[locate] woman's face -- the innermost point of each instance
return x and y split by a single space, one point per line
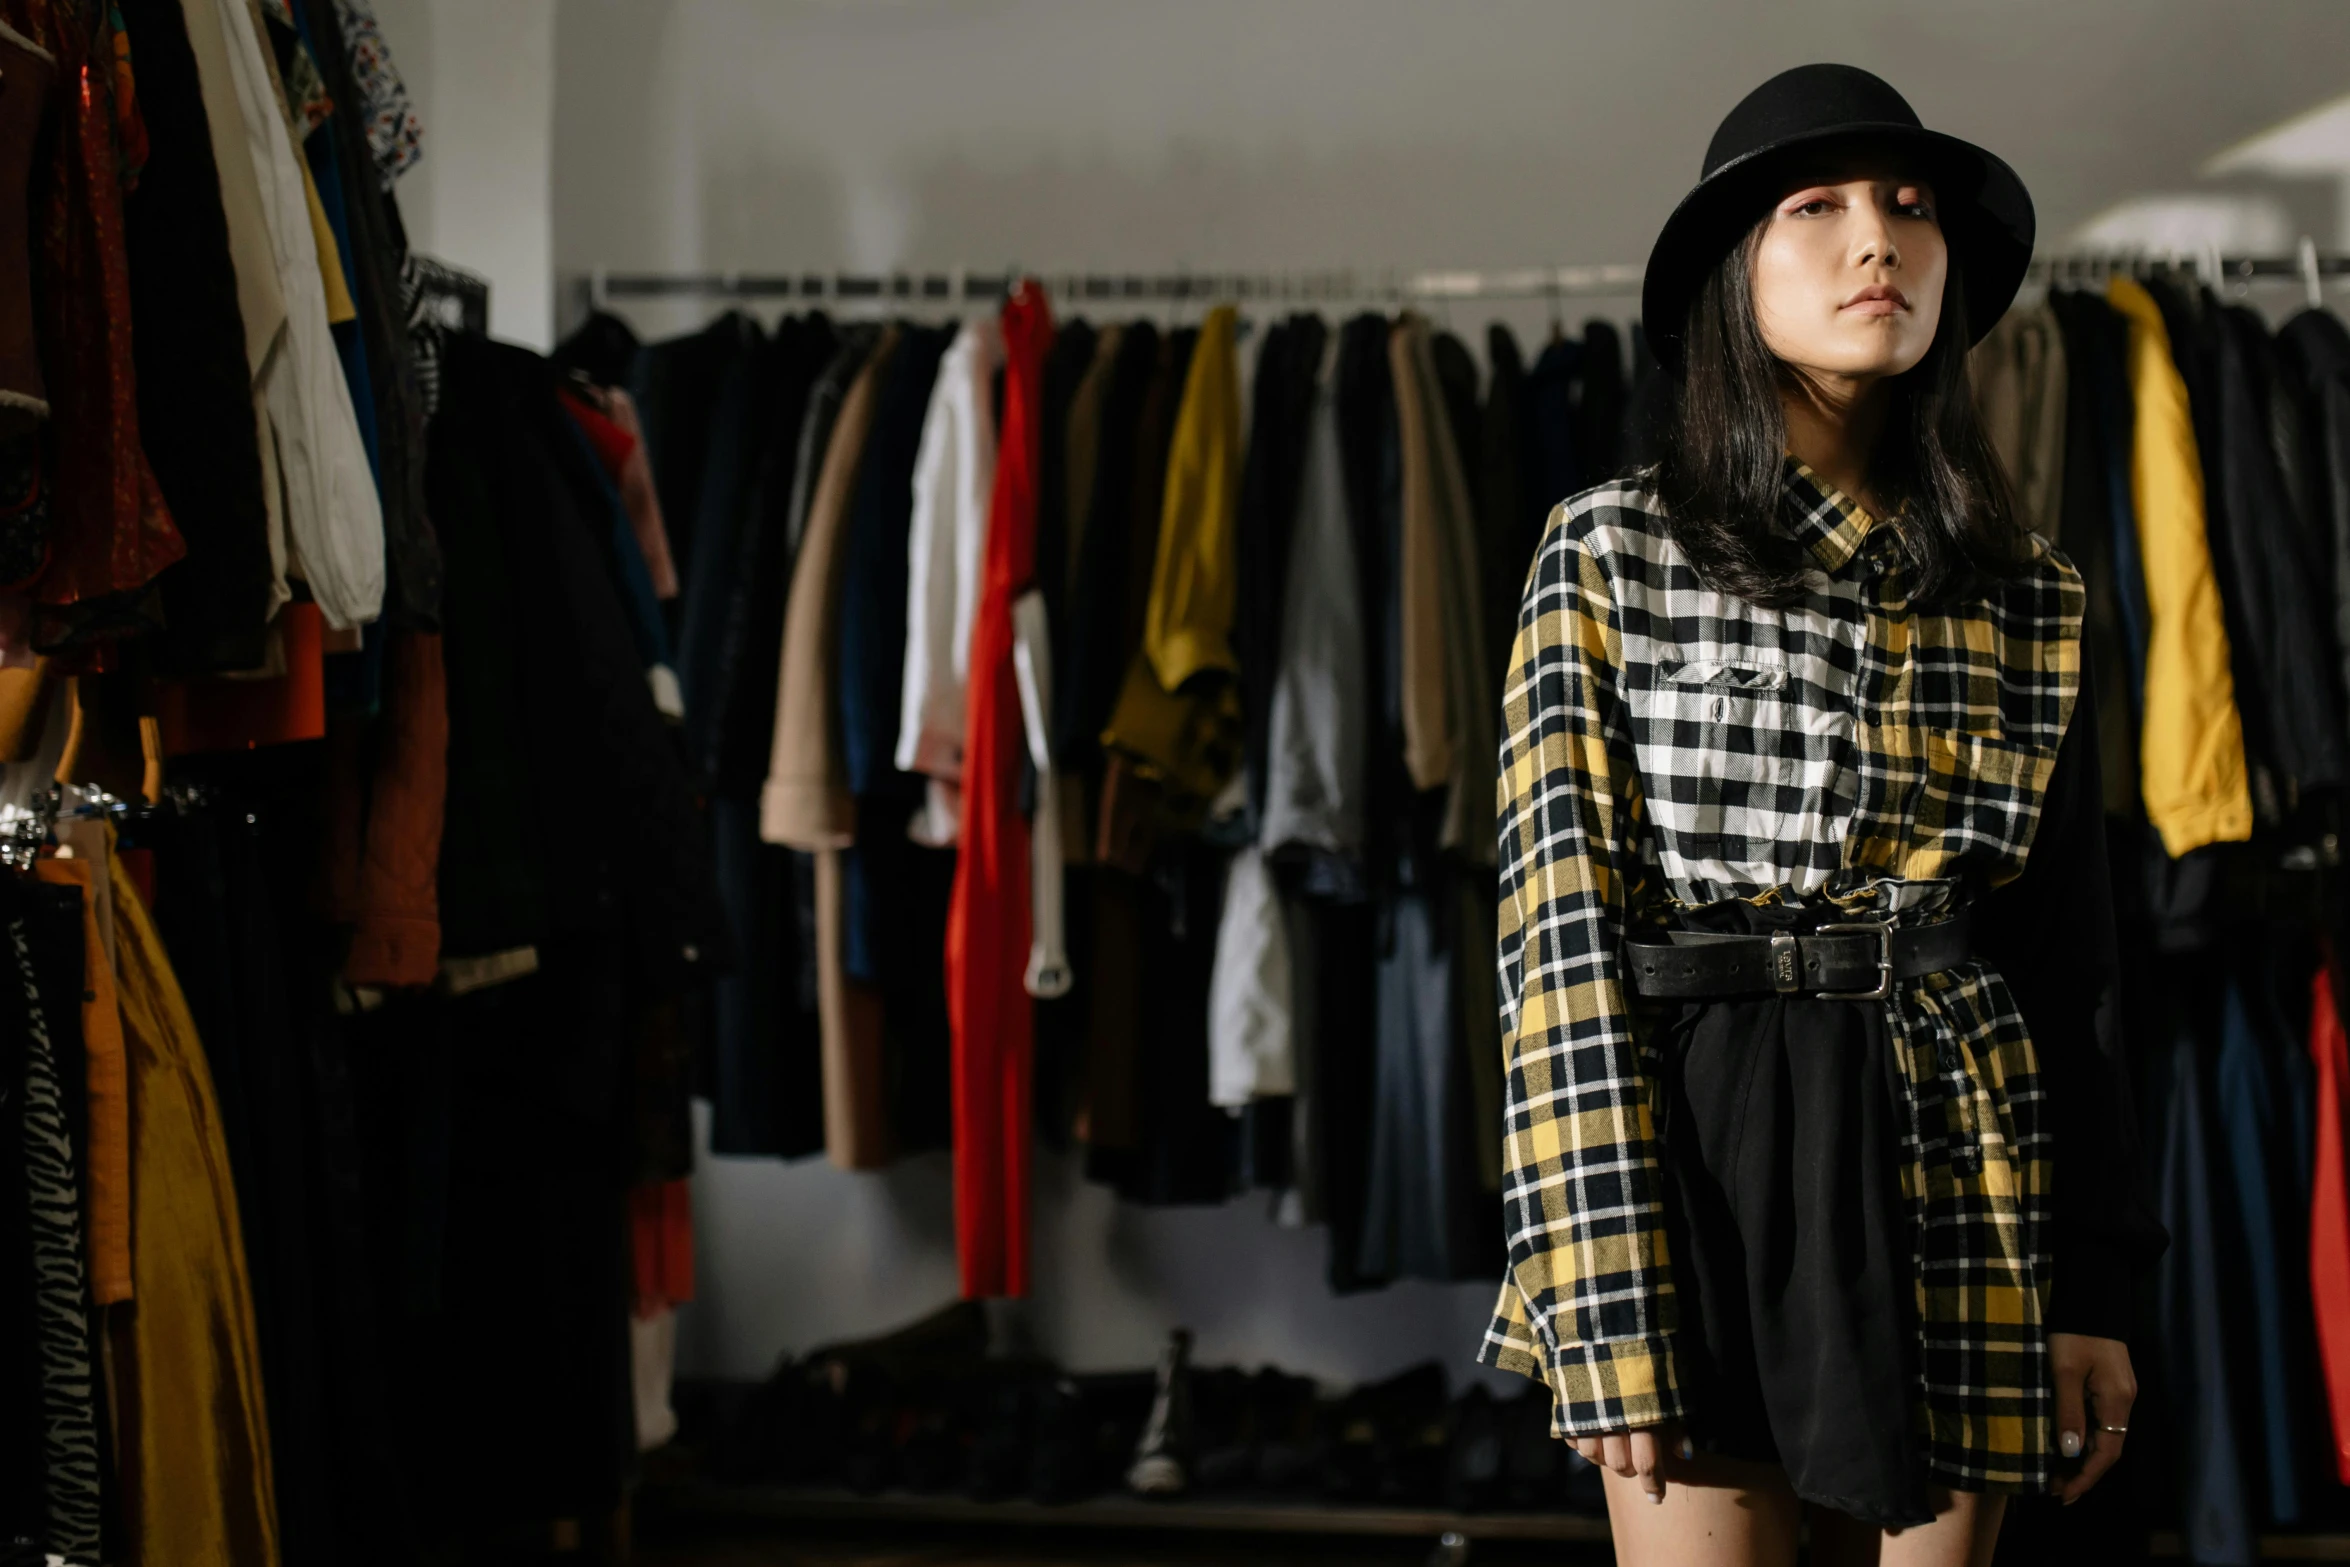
1848 277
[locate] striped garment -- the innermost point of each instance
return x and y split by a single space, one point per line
61 1296
1667 746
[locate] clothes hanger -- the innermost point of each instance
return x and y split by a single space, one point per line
25 831
2312 280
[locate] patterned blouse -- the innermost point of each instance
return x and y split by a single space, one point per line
1667 747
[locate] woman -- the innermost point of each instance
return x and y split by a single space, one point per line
1821 1191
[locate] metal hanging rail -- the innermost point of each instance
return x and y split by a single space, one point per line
954 287
600 286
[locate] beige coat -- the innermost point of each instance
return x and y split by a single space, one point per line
1449 699
2019 377
807 804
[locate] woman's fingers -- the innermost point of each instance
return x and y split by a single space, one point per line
2105 1449
1645 1453
2070 1371
2095 1374
1634 1455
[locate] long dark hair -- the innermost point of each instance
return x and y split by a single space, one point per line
1719 467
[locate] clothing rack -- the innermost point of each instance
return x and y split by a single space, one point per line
600 286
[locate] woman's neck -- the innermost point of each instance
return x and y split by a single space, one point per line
1832 425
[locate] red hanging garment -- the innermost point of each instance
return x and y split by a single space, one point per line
2329 1212
110 531
987 924
661 1241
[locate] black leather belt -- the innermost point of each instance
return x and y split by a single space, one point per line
1844 962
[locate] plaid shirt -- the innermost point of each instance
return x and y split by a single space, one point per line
1668 746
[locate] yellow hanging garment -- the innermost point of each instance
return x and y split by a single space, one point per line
2191 744
192 1444
1178 711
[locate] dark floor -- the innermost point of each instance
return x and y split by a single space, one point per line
799 1544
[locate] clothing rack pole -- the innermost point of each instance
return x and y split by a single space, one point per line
601 285
1615 278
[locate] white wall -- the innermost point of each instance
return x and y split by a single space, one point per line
1067 134
1375 133
482 78
789 1257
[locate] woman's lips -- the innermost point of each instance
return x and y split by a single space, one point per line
1880 300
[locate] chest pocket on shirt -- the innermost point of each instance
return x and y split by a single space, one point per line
1967 677
1981 793
1731 761
1953 687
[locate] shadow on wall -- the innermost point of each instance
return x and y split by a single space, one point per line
790 1257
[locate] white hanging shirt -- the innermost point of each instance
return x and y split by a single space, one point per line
334 519
954 482
1252 1052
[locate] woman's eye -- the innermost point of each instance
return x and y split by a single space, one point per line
1915 209
1812 208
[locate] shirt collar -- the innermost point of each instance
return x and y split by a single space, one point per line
1830 523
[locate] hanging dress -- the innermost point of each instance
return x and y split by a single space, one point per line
988 1006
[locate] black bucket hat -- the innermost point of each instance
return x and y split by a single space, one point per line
1986 213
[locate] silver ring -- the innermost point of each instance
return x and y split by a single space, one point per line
2116 1430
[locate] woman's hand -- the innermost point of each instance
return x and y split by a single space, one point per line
1636 1455
2094 1389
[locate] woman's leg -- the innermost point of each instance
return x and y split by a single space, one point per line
1717 1512
1963 1533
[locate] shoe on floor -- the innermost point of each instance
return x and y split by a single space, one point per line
1162 1459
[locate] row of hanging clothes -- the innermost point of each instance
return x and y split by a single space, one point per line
2196 465
1096 723
331 1229
992 732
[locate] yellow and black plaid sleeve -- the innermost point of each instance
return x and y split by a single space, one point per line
1589 1305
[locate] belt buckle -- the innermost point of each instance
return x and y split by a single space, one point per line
1883 930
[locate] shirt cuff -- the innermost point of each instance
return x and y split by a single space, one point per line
394 950
806 814
1613 1385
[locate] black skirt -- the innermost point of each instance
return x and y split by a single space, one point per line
1793 1252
